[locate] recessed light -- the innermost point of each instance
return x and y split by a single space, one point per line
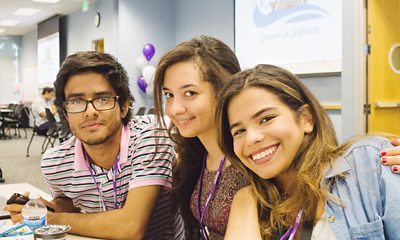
26 11
8 22
47 1
2 30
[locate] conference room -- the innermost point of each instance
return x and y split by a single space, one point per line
345 52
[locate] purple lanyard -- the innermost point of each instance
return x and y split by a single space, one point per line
293 229
114 171
201 212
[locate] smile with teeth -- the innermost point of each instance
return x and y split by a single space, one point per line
185 120
264 153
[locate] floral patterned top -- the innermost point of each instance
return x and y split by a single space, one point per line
216 217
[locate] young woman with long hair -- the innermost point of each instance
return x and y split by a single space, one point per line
303 184
187 81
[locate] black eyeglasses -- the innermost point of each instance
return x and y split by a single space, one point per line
80 105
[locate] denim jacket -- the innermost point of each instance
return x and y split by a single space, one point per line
369 193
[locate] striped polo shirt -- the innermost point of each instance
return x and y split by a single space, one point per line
146 158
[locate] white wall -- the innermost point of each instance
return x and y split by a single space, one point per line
10 57
328 91
142 22
81 30
30 86
205 17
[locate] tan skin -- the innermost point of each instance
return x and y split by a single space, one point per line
100 132
190 97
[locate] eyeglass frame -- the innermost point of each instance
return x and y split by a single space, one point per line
115 98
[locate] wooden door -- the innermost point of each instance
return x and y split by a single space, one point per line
383 82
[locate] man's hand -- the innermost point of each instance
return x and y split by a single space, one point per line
391 156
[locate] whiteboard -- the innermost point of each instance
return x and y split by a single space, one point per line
303 36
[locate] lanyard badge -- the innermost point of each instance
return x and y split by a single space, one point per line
293 229
202 212
114 171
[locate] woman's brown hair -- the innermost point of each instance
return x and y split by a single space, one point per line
217 63
278 208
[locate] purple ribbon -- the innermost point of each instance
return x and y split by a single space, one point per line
293 229
202 212
114 171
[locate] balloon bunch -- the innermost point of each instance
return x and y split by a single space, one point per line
145 81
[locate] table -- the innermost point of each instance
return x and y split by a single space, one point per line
4 113
6 190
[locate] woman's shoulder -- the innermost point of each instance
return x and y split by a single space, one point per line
243 219
361 158
371 141
245 196
367 147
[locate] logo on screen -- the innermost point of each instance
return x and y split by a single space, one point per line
268 12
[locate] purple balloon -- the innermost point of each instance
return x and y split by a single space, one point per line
148 51
142 83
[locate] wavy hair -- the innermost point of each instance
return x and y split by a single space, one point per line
217 63
101 63
277 208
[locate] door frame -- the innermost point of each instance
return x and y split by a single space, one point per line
354 68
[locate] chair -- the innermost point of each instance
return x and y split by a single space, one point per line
65 132
52 133
141 111
15 120
151 111
1 176
11 106
49 137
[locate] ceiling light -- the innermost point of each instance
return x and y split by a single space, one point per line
2 30
26 11
8 22
47 1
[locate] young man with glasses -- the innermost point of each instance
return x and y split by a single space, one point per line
111 180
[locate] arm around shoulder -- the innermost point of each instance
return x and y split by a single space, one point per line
243 218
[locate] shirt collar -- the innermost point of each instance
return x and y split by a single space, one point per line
80 164
340 166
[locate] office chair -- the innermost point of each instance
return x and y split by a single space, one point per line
151 111
49 136
141 111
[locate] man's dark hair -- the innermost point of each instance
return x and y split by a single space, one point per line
101 63
47 90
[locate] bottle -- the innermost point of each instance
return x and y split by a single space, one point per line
34 213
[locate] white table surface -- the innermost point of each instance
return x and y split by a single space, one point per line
6 190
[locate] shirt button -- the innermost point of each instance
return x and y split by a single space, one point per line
331 218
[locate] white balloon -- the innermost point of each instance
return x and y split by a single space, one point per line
140 63
150 89
148 73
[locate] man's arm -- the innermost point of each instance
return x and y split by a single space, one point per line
243 218
63 204
129 222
